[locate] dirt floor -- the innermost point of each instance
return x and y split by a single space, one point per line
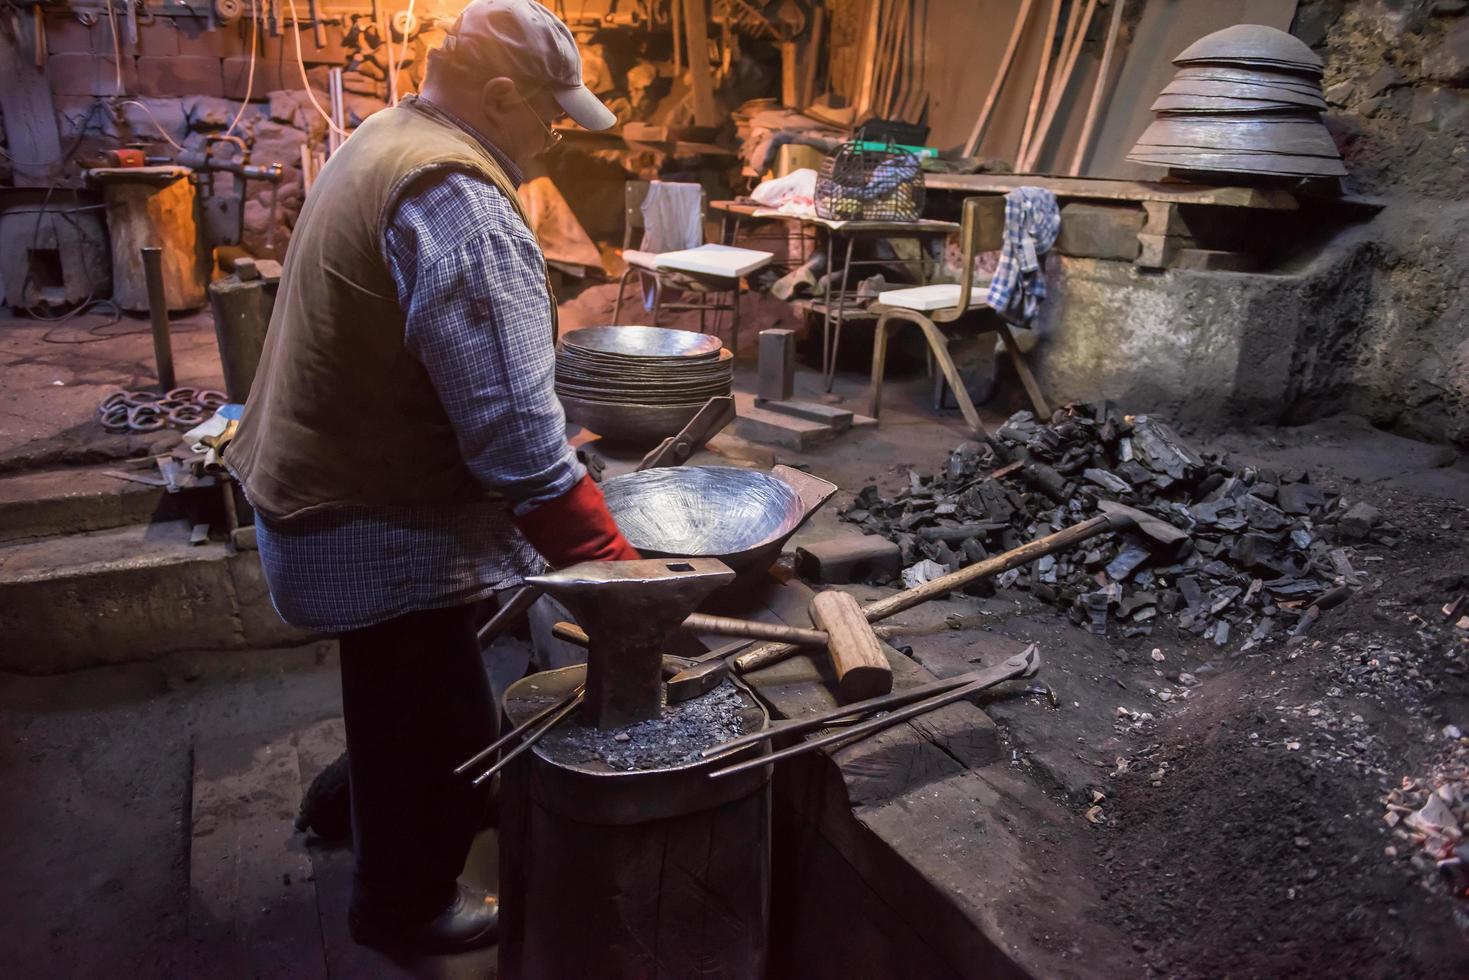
1239 829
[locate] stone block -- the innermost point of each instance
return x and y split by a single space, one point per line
1100 231
848 557
270 76
1449 61
838 418
777 361
179 76
283 48
225 41
76 73
67 35
158 39
775 429
1214 260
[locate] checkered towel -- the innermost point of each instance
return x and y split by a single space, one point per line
1032 221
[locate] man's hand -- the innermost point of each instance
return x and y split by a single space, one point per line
575 527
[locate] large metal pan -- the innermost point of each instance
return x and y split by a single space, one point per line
1252 44
742 517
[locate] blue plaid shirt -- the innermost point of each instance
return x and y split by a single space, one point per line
470 277
1032 222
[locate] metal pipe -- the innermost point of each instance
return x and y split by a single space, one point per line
517 731
533 737
158 311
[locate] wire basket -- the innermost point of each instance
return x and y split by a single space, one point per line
869 185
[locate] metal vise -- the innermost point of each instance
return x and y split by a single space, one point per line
629 609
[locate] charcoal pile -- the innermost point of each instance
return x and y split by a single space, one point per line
1263 558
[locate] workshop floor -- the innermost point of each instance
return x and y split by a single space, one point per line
1224 850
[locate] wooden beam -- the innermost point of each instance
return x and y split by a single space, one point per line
1083 143
1053 104
977 134
30 117
701 81
813 56
1040 78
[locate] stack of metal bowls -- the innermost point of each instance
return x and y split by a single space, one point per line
636 385
1246 100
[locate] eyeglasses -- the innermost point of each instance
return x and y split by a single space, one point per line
552 136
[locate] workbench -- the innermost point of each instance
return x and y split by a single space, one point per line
845 305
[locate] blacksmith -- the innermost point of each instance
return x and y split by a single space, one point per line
405 452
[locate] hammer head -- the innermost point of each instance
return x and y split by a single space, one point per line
1162 538
629 609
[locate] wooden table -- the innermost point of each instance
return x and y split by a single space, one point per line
844 306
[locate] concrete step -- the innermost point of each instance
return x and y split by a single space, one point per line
40 503
129 593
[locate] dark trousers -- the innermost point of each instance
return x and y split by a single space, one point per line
416 702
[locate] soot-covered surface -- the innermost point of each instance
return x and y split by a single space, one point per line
676 738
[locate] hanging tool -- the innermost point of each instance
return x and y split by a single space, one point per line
318 28
707 423
943 692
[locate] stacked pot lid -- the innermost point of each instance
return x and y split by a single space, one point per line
1245 100
637 384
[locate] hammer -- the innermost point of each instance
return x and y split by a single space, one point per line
859 674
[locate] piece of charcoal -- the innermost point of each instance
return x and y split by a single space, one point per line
1221 633
1265 491
1301 538
1008 578
1046 568
1095 604
1221 598
957 533
1299 498
1210 511
1293 586
1357 522
1169 601
1192 593
1161 449
1128 560
1107 480
921 572
1261 515
1138 600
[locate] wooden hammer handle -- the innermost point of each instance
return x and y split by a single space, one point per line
862 668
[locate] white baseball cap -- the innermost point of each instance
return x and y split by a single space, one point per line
522 40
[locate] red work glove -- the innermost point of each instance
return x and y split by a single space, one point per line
575 527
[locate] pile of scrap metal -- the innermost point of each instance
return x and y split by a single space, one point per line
1255 552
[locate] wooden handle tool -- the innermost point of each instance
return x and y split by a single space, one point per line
861 667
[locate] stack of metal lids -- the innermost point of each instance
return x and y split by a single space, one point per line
636 385
1245 100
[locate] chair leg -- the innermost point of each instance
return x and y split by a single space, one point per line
1037 400
879 362
621 285
940 346
657 296
734 329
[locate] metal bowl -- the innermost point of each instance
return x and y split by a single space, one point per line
630 423
736 515
638 342
1253 44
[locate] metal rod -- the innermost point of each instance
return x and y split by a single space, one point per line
745 629
523 599
532 738
770 653
158 310
516 732
861 731
886 702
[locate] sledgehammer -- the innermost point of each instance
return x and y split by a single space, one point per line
1114 517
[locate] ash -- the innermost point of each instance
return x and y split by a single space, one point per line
674 739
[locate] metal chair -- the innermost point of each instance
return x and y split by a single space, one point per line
982 230
634 194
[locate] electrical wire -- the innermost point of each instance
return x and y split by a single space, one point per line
395 63
301 63
153 119
255 14
116 44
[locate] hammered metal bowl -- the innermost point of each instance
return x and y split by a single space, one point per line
1252 44
630 424
705 512
642 342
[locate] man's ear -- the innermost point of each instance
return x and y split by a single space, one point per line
498 96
